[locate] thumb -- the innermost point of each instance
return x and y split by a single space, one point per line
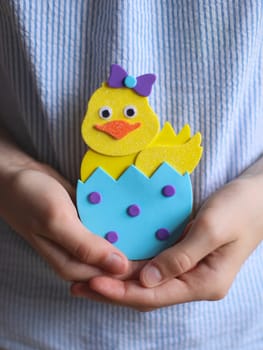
203 238
87 247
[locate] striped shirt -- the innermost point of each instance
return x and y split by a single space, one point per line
208 58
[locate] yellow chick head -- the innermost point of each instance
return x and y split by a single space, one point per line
119 122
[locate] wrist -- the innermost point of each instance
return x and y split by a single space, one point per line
250 184
13 159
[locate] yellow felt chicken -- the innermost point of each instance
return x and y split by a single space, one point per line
121 129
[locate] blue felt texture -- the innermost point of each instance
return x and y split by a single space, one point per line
136 235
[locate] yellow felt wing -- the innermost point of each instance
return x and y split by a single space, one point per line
183 157
167 136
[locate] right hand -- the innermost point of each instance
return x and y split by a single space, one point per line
36 201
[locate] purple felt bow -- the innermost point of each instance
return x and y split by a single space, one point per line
142 85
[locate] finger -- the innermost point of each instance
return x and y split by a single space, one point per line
133 270
68 232
204 236
214 275
66 266
133 294
210 280
185 231
82 290
55 218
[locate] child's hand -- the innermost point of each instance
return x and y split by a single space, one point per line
36 201
204 264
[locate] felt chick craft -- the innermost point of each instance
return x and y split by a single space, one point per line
135 189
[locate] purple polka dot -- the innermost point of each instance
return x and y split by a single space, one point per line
94 197
133 210
168 191
162 234
112 236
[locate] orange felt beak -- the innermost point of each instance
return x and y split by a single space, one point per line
117 128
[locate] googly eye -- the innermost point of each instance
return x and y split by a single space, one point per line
105 112
130 111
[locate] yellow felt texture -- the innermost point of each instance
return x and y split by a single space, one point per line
118 99
114 166
167 136
184 158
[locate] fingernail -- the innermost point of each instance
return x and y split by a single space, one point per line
115 263
152 276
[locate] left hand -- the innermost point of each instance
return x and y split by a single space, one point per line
203 265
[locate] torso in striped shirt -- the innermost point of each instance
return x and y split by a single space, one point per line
207 56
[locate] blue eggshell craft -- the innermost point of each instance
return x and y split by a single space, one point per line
135 189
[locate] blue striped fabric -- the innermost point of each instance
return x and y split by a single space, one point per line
208 59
